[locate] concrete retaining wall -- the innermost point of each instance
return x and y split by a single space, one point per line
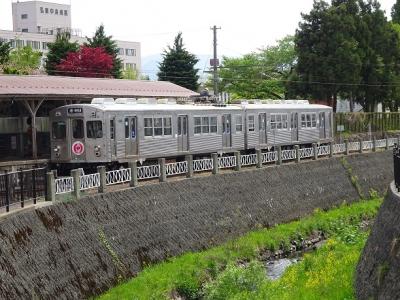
78 249
378 270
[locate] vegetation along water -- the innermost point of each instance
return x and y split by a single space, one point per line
235 270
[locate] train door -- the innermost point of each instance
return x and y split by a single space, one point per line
322 126
294 126
113 143
226 131
77 133
262 128
183 139
131 138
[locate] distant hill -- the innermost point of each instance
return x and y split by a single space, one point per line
150 65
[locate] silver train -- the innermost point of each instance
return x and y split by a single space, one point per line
109 131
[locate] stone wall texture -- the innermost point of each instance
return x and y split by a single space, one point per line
81 248
378 270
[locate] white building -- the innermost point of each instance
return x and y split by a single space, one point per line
36 23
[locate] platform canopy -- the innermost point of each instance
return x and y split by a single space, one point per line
56 87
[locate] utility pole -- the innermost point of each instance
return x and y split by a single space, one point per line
215 60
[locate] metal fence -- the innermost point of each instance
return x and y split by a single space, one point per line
364 122
396 163
19 187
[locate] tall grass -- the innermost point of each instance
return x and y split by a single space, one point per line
189 273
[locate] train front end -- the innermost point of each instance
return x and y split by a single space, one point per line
77 136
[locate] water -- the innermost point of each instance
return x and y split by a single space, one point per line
276 268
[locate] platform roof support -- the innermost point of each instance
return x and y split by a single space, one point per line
33 106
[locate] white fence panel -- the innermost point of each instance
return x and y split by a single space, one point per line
226 162
306 152
323 150
90 181
354 146
288 154
270 156
176 168
339 148
64 185
392 141
148 172
381 143
367 145
118 176
200 165
248 160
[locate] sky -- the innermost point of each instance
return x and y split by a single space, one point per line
245 25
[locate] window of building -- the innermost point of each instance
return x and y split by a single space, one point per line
308 120
250 123
65 13
44 45
24 16
94 129
12 43
239 123
279 121
56 11
130 52
205 125
59 130
157 126
121 51
24 30
3 40
130 66
46 10
41 10
29 43
61 12
19 43
51 10
35 45
77 128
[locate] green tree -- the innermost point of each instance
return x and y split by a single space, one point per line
100 39
5 49
396 12
178 66
23 61
58 51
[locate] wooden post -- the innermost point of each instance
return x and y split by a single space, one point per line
76 175
387 142
189 161
297 149
259 158
134 173
163 170
361 145
238 161
214 157
331 149
374 144
102 171
315 151
51 187
279 151
347 150
33 106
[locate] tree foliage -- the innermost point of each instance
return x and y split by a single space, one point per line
87 62
58 51
100 39
261 74
23 61
396 12
178 66
5 49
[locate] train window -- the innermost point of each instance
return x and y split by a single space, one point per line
239 123
167 124
158 126
313 121
205 125
197 125
279 121
126 122
112 129
59 130
308 120
94 129
213 124
133 128
148 126
77 129
250 123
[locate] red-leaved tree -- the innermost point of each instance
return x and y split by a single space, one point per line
87 62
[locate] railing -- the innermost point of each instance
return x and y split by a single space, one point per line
64 185
288 154
148 172
367 145
226 162
21 186
270 157
176 168
201 165
354 146
306 152
118 176
339 148
323 150
90 181
396 165
248 160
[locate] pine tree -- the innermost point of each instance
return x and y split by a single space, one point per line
178 66
58 51
100 39
396 12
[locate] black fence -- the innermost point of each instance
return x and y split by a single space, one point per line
19 187
396 161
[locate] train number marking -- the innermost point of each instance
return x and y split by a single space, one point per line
78 148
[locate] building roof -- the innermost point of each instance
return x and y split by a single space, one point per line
53 87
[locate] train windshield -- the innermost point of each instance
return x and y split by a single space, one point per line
59 130
94 129
77 129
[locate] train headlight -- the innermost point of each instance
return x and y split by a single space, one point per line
56 149
97 150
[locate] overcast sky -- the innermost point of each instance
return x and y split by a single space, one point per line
246 25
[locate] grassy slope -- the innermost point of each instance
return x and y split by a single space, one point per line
190 271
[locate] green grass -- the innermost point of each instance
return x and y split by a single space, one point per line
189 273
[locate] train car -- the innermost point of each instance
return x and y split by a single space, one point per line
114 132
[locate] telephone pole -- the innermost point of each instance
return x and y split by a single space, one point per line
214 61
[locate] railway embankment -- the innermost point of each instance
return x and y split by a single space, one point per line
81 248
378 270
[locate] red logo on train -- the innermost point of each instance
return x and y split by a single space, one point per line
78 148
